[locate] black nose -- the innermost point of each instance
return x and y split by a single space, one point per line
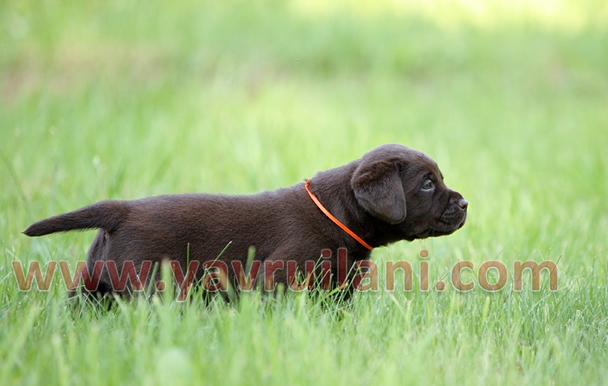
463 204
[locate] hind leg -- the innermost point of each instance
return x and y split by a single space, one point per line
95 280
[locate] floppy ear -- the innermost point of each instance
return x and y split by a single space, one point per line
379 190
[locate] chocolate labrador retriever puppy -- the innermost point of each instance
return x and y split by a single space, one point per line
392 193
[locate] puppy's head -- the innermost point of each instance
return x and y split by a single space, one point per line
404 187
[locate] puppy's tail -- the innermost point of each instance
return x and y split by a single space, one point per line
106 215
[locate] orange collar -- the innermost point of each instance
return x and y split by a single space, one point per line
335 220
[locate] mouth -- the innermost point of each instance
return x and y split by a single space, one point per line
444 226
453 218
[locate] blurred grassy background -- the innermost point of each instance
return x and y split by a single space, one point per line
129 99
120 99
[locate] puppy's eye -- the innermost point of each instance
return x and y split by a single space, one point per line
428 185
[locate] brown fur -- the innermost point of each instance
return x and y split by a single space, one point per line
379 196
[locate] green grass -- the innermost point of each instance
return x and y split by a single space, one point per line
121 99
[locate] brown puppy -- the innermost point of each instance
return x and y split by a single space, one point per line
392 193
